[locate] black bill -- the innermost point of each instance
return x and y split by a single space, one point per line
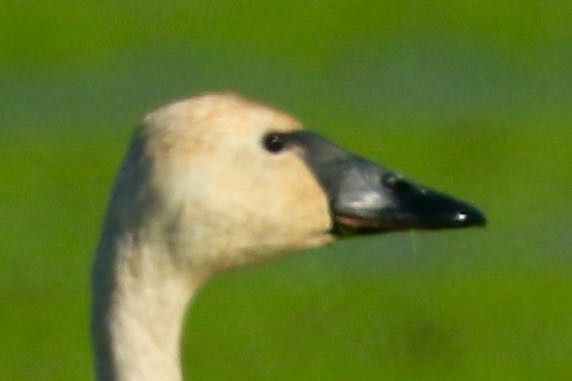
365 197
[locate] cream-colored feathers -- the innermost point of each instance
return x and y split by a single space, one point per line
226 198
197 193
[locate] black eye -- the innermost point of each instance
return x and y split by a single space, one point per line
274 142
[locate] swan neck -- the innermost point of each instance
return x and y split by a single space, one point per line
137 320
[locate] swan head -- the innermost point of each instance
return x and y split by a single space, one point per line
218 181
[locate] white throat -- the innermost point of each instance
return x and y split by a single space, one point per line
137 316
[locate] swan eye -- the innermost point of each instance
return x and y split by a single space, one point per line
274 142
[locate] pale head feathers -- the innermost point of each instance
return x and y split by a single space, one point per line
197 193
198 189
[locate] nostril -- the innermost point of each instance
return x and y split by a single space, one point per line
395 181
392 180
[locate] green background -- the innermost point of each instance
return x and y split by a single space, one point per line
472 97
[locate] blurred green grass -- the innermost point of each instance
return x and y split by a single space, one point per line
469 97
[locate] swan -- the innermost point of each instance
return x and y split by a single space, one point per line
215 182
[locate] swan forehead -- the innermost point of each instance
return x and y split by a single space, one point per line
210 120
